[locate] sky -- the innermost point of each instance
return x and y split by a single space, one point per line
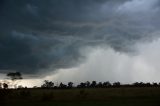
80 40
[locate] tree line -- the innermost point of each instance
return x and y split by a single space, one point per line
93 84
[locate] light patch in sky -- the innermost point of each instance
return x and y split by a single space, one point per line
139 6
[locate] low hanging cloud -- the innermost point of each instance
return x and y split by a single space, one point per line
40 36
104 64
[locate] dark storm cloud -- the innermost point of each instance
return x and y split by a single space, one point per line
35 34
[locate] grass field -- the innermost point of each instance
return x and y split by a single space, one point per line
147 96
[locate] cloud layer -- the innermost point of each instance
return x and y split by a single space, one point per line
39 36
104 64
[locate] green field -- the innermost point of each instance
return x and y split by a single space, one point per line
148 96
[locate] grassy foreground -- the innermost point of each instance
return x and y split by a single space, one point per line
147 96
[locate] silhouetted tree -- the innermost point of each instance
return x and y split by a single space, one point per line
82 85
100 85
116 84
88 84
47 84
148 84
155 84
136 84
61 85
93 84
5 86
107 84
139 84
70 84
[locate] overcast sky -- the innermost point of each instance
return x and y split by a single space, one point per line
80 40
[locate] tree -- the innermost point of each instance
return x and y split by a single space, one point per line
70 84
155 84
88 84
100 85
116 84
107 84
61 85
5 86
47 84
81 85
93 84
138 84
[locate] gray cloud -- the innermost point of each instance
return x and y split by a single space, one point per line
35 34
